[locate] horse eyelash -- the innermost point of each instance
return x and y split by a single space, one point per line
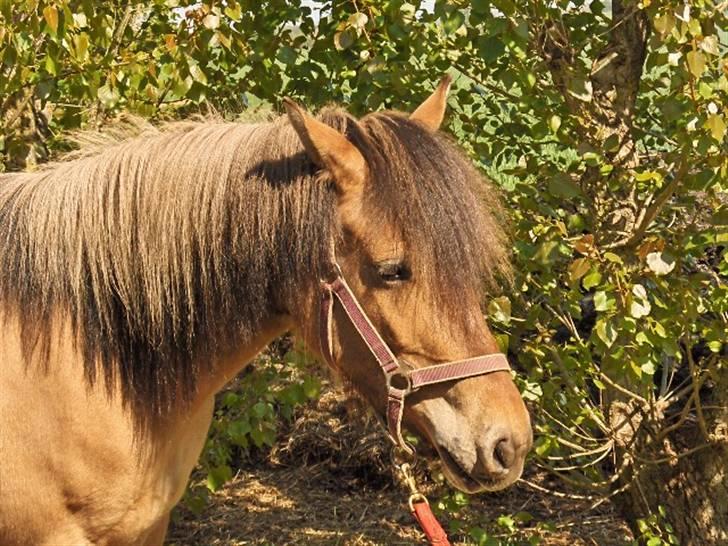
393 271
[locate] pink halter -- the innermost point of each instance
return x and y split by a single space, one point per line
400 381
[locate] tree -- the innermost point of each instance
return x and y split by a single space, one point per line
605 125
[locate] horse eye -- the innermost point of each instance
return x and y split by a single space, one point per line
393 271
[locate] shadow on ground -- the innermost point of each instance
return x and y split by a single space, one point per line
329 483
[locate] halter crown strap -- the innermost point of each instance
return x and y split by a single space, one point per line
407 381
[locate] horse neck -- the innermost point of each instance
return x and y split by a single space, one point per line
212 380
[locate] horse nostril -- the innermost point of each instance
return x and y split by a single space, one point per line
504 454
497 456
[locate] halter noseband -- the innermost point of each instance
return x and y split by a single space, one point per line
400 381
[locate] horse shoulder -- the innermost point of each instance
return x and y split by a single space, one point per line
73 469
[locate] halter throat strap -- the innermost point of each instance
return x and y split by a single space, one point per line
400 382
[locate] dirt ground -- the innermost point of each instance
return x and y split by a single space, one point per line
329 482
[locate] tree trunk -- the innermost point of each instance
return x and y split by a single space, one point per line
692 489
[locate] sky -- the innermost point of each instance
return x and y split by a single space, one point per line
315 5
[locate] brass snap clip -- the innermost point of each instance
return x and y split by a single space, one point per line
409 480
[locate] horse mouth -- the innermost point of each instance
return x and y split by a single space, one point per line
459 478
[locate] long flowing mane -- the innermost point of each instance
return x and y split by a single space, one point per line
170 249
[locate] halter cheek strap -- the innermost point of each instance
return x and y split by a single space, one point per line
400 382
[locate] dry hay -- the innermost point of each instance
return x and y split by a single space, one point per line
336 438
329 482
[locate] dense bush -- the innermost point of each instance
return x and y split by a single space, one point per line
249 412
604 125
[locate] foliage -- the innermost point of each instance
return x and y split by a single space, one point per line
618 195
505 530
656 531
249 413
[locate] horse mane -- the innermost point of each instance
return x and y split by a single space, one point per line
169 249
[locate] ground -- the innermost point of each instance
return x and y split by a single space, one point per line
329 482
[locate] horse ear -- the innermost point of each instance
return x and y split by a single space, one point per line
328 148
432 110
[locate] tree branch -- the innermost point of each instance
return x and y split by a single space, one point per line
651 212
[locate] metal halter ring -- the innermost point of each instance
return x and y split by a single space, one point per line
416 497
400 381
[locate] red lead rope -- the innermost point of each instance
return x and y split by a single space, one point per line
428 522
420 509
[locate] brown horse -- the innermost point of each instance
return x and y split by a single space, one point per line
136 281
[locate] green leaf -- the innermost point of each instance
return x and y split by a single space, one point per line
612 257
260 410
480 536
695 28
576 222
647 175
716 125
500 309
602 302
195 502
578 268
705 90
506 521
561 185
554 123
503 341
51 64
234 12
547 252
490 48
592 279
639 309
81 49
344 39
606 332
696 63
230 400
543 446
709 44
218 476
453 22
664 23
197 73
287 55
481 6
6 7
50 14
611 143
108 96
311 387
238 432
358 20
